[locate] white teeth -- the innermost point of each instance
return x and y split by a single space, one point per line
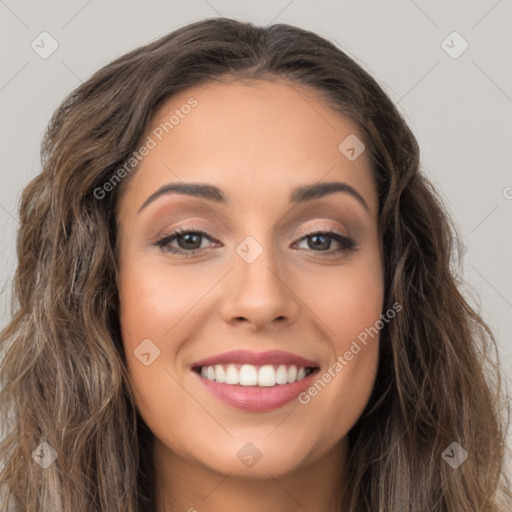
231 374
267 376
219 373
282 375
249 375
292 373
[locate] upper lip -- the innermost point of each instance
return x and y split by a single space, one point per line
256 358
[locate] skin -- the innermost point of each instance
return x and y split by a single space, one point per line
256 141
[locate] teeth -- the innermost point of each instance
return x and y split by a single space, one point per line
219 373
282 375
292 374
231 375
267 376
250 375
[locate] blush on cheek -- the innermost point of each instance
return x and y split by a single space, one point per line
347 309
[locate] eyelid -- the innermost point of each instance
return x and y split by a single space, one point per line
310 230
180 230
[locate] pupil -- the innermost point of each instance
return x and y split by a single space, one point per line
325 245
190 238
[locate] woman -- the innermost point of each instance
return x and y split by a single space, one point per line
235 293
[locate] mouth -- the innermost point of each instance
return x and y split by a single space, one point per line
256 381
250 375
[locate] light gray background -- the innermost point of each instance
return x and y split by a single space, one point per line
460 109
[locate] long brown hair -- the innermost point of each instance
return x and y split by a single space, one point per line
64 376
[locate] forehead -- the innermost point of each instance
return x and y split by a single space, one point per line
254 136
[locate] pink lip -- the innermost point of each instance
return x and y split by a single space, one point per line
256 398
256 358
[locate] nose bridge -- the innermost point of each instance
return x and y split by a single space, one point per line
257 290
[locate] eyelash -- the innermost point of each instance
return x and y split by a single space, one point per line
347 244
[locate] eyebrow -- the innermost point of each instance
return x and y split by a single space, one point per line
213 193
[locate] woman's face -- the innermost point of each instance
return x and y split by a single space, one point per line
259 299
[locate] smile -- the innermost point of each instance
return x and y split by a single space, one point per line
256 381
250 375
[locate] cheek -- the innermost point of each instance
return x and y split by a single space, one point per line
337 398
154 300
149 307
349 304
160 304
347 299
151 310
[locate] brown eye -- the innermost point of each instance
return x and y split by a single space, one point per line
187 241
321 241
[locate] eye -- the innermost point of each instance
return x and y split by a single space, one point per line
320 241
188 240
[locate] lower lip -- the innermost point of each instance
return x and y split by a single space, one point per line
256 398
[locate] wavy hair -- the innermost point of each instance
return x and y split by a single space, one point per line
64 375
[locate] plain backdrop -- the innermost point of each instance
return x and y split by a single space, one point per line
447 66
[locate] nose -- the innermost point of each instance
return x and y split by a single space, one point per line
259 294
